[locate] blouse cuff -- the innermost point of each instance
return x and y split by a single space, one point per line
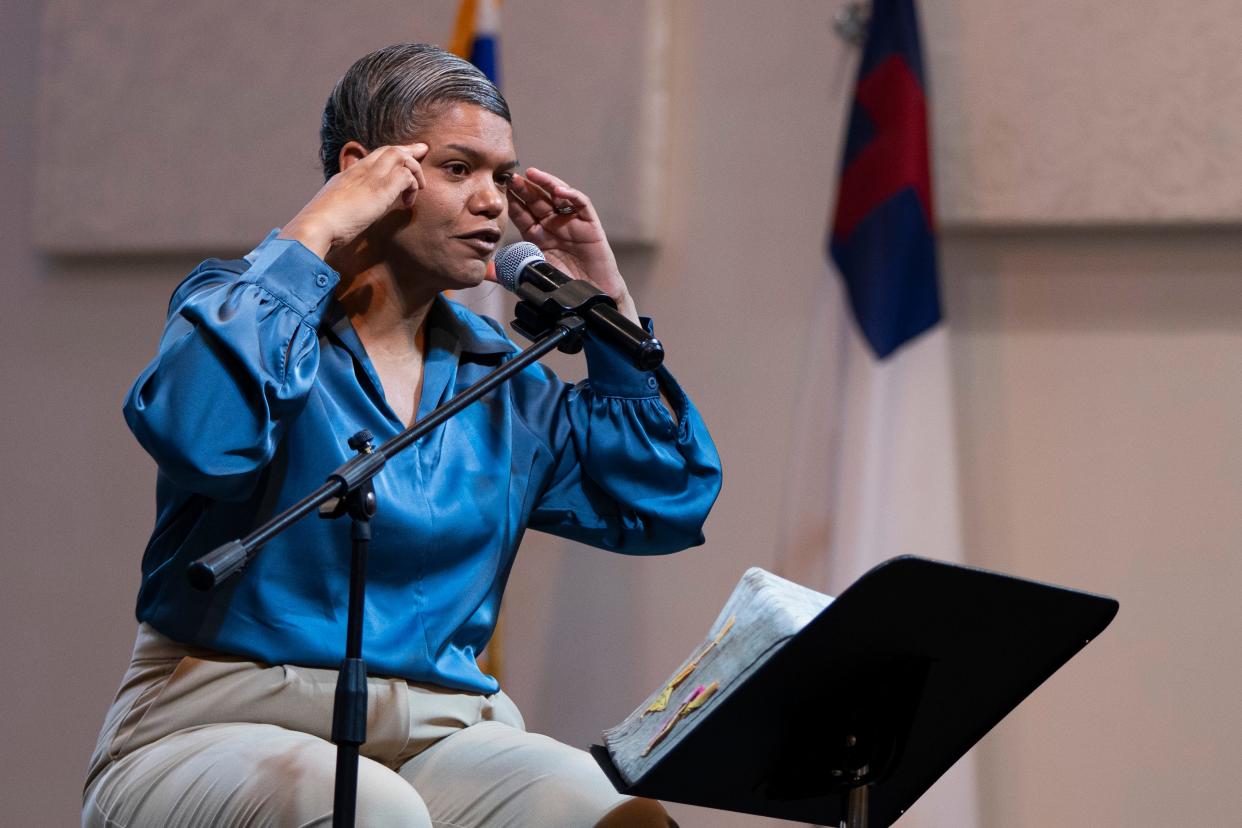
293 274
611 374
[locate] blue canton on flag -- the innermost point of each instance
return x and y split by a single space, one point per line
476 36
883 234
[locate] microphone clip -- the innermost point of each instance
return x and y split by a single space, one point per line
540 311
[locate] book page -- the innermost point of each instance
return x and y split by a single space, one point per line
763 612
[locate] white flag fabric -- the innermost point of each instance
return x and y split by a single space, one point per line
896 492
879 423
873 475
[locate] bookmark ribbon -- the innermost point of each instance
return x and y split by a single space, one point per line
697 698
662 700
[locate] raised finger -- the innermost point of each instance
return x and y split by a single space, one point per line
405 160
565 199
399 153
523 219
386 160
531 194
411 164
391 154
541 204
409 188
519 211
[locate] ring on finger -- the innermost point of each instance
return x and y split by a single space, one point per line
565 210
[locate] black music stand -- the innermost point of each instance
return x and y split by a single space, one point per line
857 715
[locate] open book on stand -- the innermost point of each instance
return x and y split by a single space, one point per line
846 710
763 612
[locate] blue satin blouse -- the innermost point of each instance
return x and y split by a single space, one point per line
260 380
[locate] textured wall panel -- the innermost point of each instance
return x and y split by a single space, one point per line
188 127
1077 111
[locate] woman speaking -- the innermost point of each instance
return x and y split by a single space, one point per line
333 324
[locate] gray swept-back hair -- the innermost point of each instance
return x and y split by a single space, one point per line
390 95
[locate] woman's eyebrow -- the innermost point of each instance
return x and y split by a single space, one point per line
476 157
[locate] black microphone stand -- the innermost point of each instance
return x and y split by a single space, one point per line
348 491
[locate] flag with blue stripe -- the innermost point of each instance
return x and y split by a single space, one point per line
883 233
476 36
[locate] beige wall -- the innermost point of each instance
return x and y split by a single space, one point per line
1100 408
1099 401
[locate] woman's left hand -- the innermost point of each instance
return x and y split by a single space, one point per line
562 222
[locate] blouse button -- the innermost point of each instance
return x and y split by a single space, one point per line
651 383
321 279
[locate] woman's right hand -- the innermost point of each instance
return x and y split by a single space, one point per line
364 191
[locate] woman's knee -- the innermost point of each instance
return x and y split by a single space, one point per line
234 774
637 813
384 799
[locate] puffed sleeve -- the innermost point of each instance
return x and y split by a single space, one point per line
236 361
628 476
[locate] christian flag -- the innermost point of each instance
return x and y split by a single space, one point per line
883 233
476 36
891 466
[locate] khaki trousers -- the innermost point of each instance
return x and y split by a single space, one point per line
196 738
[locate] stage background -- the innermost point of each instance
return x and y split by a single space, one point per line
1096 341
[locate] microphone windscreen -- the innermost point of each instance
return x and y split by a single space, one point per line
511 259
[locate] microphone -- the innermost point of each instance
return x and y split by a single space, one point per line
522 269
